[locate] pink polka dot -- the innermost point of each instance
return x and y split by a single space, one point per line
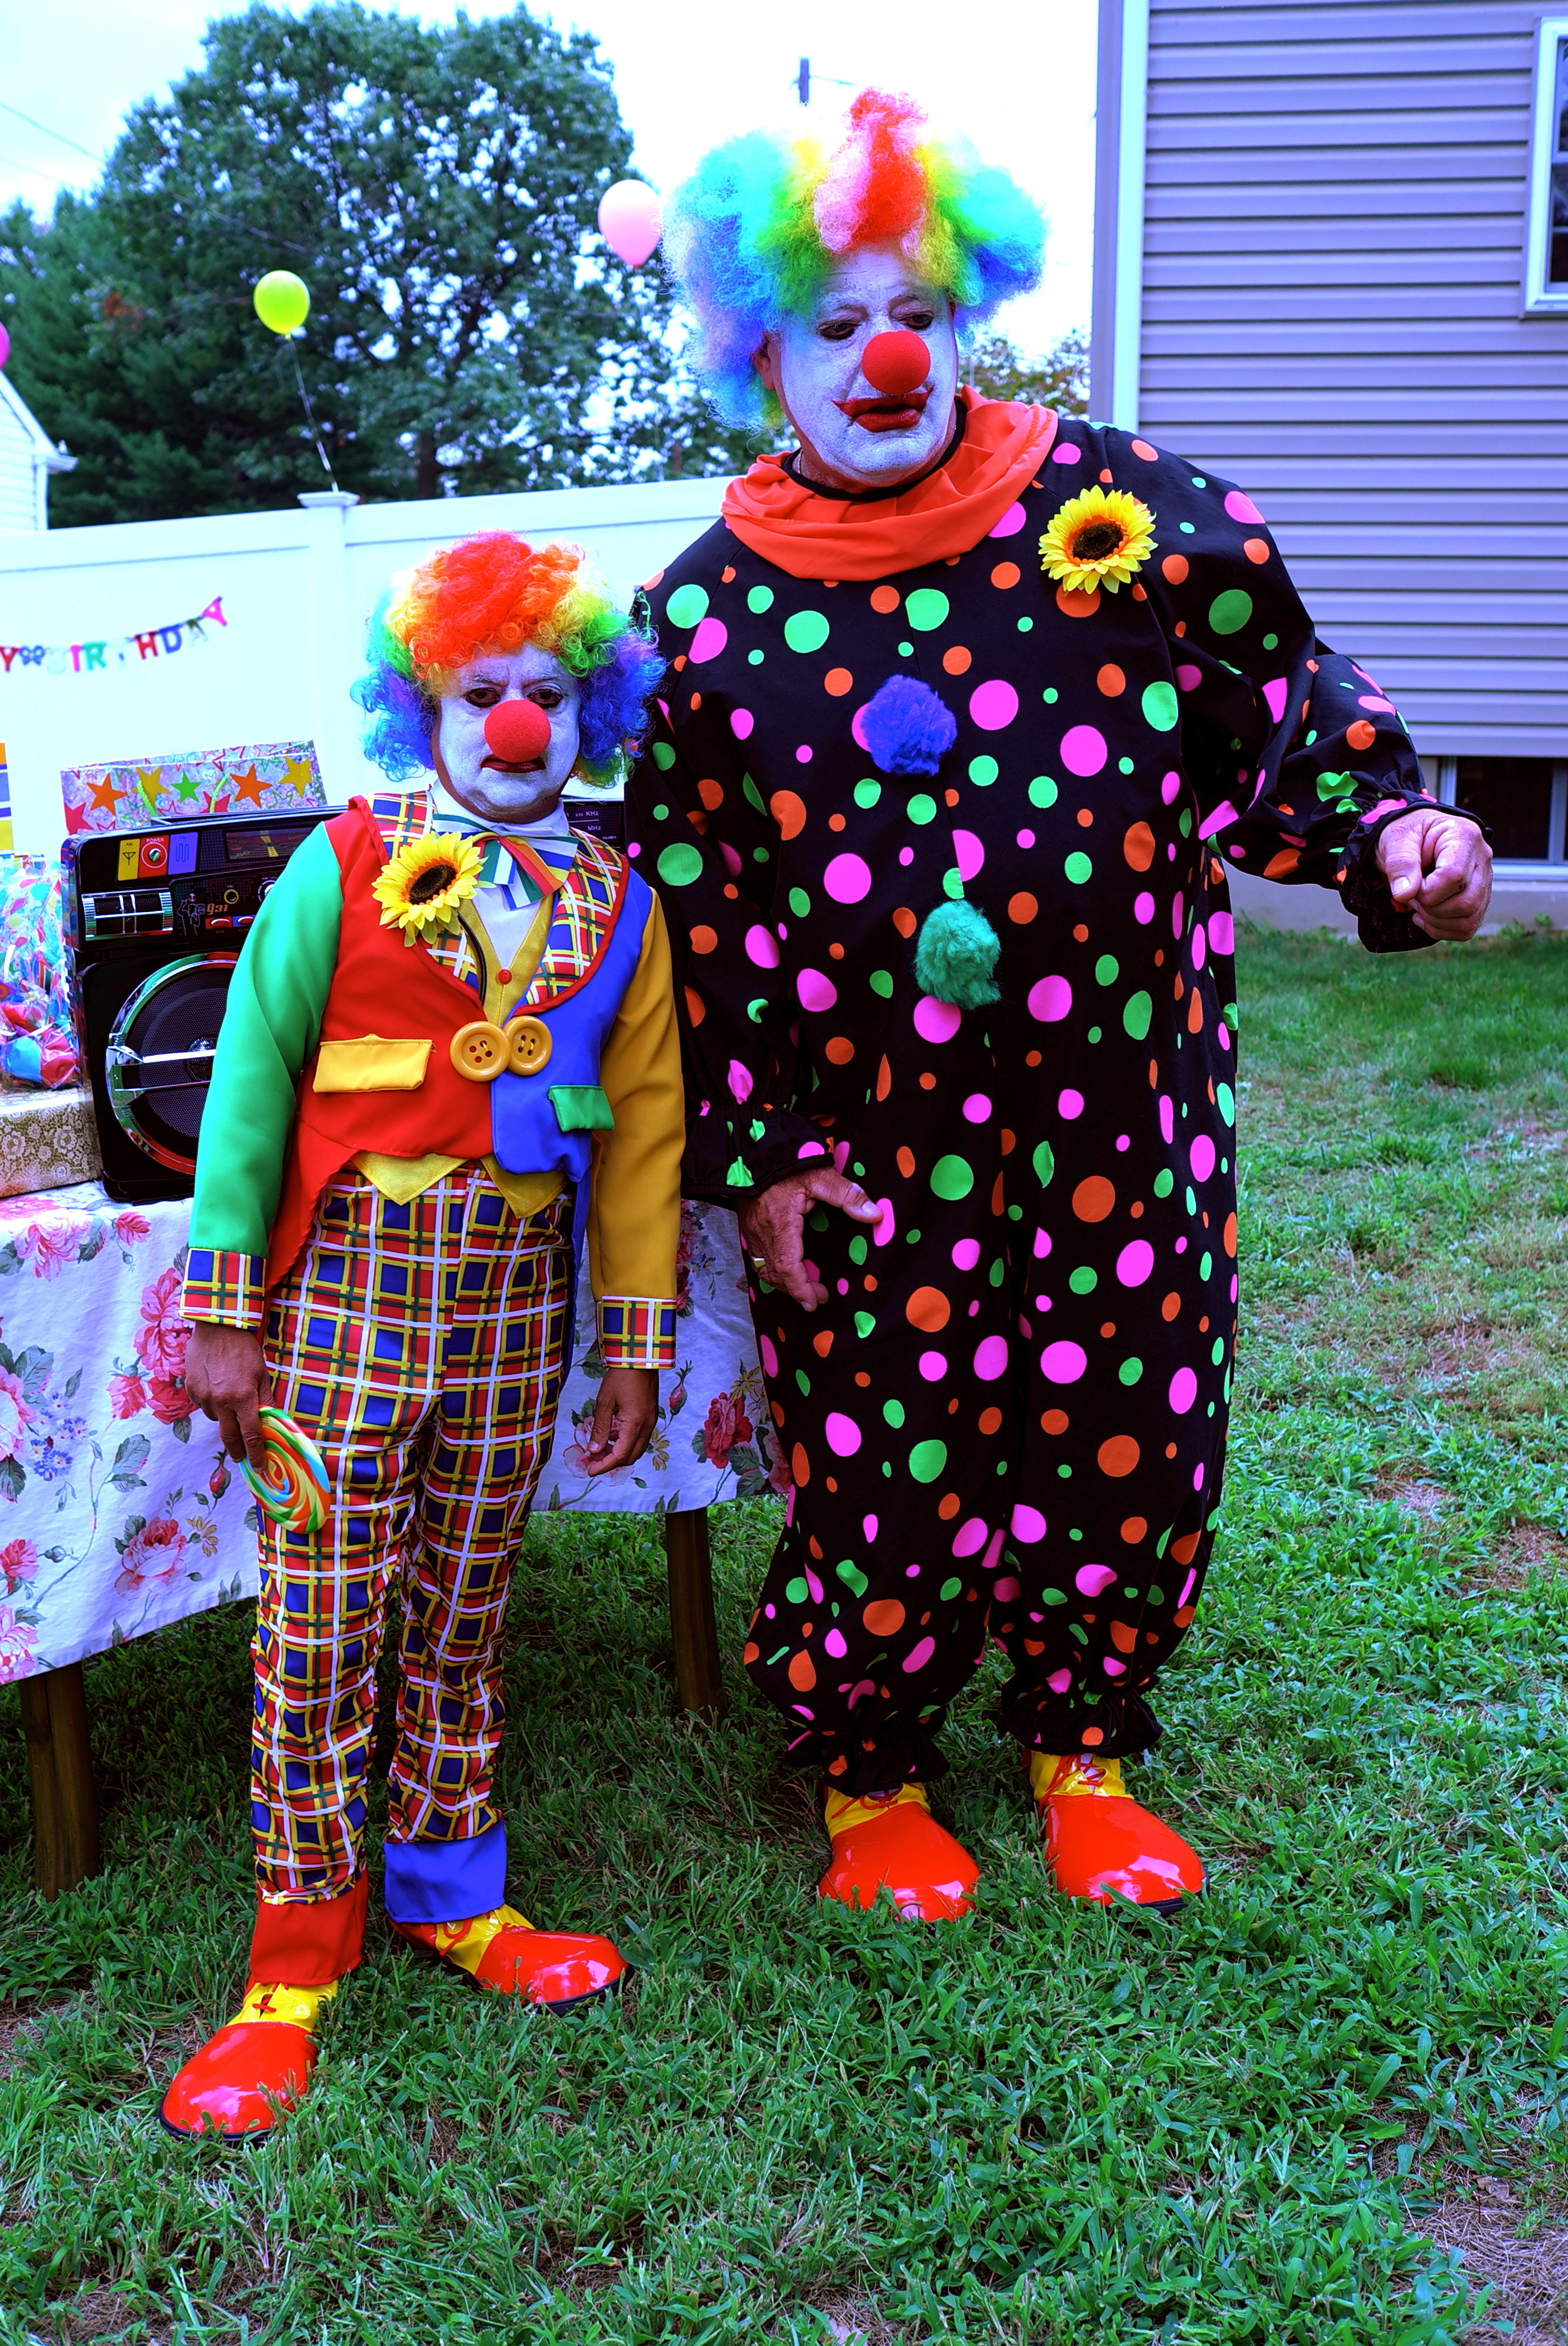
1167 1119
969 852
1066 453
976 1108
731 857
847 879
1240 507
709 640
1026 839
906 855
1011 522
1200 1157
1222 932
1006 1590
1184 1392
933 1367
992 706
1091 1578
1063 1363
762 949
1367 700
1276 692
1178 913
869 1526
834 1643
1225 813
856 733
803 754
861 1690
1050 998
1170 788
740 1081
1084 749
769 1356
1199 945
1028 1525
990 1358
972 1537
966 1253
1070 1105
816 991
843 1435
1134 1263
887 1223
1041 1245
1143 907
1188 678
741 721
1113 1669
921 1656
936 1022
1059 1681
1124 1142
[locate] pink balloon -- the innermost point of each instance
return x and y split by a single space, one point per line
630 221
5 346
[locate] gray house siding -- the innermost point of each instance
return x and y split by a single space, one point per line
1329 311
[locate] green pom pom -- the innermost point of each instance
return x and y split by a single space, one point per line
955 956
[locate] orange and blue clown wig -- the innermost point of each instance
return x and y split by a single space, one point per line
494 592
753 233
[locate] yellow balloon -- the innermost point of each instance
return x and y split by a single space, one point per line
283 301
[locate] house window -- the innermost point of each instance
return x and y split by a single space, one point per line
1522 800
1546 242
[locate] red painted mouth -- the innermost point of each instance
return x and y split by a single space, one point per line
895 413
505 766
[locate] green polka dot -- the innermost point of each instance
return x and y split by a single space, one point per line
1218 1353
1042 791
663 756
755 657
852 1577
661 814
1160 706
1165 1182
1271 643
805 631
927 1459
1191 1199
1107 969
867 794
799 903
680 865
952 1177
952 883
857 1249
1078 869
949 1590
1198 482
905 651
1025 625
921 808
1124 765
686 606
797 1591
1184 823
1044 1163
1230 613
1136 1012
1049 695
882 983
998 1270
752 793
983 770
760 598
1097 1033
1083 1281
1205 1267
894 1411
864 1323
1130 1372
926 608
1226 1099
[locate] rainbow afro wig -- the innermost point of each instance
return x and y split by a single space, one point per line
496 593
753 234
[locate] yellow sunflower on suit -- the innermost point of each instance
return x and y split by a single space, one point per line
426 881
1099 538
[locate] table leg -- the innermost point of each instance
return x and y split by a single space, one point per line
60 1766
691 1621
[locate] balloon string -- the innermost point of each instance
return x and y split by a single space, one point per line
310 417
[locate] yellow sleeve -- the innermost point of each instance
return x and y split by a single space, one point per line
634 1211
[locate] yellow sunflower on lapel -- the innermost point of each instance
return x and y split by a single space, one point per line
425 882
1099 538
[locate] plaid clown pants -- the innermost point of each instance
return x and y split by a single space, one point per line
420 1347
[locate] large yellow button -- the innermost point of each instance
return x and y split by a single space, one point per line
479 1051
532 1044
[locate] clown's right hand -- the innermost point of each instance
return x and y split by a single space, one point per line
772 1229
226 1378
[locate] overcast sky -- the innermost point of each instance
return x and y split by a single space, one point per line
687 73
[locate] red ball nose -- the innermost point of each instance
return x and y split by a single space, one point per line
895 363
517 731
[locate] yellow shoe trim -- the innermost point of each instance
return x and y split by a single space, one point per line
845 1811
299 2006
463 1944
1083 1775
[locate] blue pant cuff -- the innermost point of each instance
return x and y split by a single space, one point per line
446 1881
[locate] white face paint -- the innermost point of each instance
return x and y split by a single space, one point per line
849 437
470 771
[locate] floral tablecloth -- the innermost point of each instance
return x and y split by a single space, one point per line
119 1512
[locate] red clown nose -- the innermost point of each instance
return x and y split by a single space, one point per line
892 364
517 731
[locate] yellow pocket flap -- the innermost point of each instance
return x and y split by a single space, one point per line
372 1063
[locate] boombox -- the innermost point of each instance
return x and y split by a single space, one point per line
154 920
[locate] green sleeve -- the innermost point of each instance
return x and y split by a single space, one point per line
273 1015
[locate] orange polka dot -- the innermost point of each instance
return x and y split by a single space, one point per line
837 681
928 1308
884 1079
650 583
703 938
1093 1198
1134 1529
956 659
1230 1234
1195 1014
951 797
788 811
1022 907
1174 568
905 921
802 1672
1054 1422
1092 1736
839 1050
1138 846
727 574
1288 858
884 1617
835 823
1033 1059
1106 476
1170 1307
1118 1456
1183 1615
991 1421
1078 606
800 1465
906 1161
678 662
1080 934
748 1654
822 1343
1360 735
1254 548
695 700
1086 817
884 598
1111 680
1141 448
711 794
928 1082
1007 574
1186 1548
696 1007
948 1505
1124 1636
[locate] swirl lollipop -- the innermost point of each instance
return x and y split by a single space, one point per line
292 1487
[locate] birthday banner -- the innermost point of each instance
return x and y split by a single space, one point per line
113 651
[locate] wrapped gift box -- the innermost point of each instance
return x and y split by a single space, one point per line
47 1141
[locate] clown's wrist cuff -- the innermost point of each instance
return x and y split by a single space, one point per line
227 1287
636 1332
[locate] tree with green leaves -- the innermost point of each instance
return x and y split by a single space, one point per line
1059 380
436 189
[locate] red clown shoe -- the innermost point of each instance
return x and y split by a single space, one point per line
253 2072
1100 1845
891 1841
503 1951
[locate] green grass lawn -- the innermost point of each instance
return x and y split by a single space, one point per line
1277 2121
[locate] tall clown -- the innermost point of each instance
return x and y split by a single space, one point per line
449 1051
971 704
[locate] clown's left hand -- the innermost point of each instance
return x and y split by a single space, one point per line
1439 870
625 1414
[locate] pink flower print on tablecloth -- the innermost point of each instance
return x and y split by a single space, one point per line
15 1416
161 1338
17 1641
131 1228
725 1425
18 1562
167 1399
127 1396
154 1553
53 1242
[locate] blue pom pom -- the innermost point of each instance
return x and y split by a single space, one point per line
908 727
